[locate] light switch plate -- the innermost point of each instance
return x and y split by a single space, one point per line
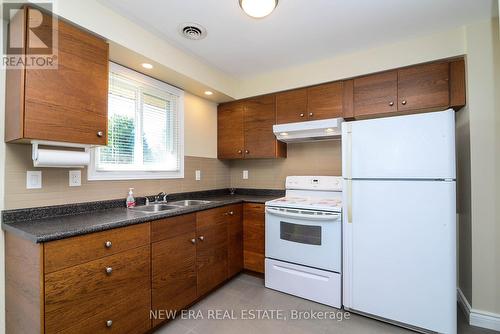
34 179
245 175
75 178
197 175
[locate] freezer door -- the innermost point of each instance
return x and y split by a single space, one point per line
405 147
399 252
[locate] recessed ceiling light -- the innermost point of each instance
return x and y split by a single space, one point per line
258 8
147 65
207 92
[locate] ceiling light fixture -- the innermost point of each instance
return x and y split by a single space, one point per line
207 92
258 8
147 65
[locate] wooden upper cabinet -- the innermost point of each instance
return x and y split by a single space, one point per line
245 129
67 104
423 87
376 94
259 118
291 106
325 101
230 142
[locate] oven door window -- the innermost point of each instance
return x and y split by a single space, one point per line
304 234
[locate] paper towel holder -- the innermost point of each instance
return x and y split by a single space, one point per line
36 143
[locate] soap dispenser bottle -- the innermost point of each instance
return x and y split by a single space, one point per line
130 198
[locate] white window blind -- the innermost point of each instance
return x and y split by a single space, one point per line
145 135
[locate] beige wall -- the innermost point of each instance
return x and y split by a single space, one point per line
483 62
200 126
315 158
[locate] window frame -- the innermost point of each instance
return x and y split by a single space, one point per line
93 174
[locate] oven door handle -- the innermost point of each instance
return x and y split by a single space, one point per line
296 213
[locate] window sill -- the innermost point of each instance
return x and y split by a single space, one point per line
132 175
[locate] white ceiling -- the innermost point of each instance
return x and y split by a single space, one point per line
298 31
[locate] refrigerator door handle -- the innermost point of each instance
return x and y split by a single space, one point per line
349 152
349 201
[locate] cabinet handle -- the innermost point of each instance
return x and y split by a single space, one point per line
403 102
109 323
100 134
391 103
302 115
109 270
193 241
108 244
247 151
310 114
201 237
240 151
231 213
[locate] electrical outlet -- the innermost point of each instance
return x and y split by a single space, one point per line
197 175
33 179
245 175
75 178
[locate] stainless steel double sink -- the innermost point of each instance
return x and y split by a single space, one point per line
166 206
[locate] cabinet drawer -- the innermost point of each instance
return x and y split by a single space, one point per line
130 316
79 292
65 253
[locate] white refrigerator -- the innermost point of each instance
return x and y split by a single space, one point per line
399 229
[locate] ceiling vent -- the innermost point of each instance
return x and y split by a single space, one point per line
192 31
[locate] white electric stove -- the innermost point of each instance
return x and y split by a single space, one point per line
304 239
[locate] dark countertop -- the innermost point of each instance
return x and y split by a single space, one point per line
59 227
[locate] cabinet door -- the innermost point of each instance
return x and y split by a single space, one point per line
211 249
235 240
259 118
253 237
291 106
173 264
376 94
325 101
423 87
230 140
69 104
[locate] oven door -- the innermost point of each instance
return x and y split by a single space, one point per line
307 237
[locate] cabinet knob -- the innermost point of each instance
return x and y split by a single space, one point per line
310 114
240 151
302 115
391 103
108 244
403 102
201 237
231 213
109 323
109 270
193 241
100 134
247 151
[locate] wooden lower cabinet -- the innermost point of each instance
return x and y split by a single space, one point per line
74 294
211 249
254 236
114 281
173 264
235 241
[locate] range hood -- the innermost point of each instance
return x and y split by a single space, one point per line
325 129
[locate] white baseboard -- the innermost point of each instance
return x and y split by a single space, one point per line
477 317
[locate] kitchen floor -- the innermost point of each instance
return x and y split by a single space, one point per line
246 294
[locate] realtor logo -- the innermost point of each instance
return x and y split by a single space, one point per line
31 37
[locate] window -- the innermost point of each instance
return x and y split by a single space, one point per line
145 130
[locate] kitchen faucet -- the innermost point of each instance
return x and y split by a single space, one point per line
161 195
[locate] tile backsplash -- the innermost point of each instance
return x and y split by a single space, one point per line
315 158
